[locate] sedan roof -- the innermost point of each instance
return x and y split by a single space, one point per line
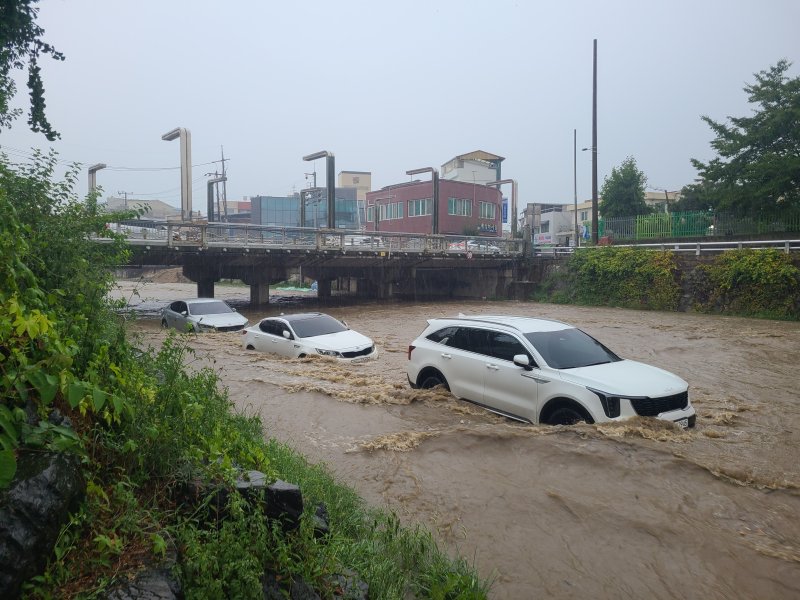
298 316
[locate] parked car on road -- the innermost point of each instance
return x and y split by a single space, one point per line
202 314
542 371
474 246
308 334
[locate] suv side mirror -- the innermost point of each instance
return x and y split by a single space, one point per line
287 335
521 360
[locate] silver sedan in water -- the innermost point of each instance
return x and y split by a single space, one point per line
202 314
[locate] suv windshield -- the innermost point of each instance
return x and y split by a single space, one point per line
570 349
318 325
209 308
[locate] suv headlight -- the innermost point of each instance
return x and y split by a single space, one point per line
610 403
328 352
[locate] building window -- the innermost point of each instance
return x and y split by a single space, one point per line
584 215
356 179
460 207
391 211
370 214
545 228
418 208
488 210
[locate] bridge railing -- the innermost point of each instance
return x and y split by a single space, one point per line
252 236
696 248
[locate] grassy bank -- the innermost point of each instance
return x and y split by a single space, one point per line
146 428
750 283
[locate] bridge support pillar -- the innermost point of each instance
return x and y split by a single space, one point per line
259 294
205 288
324 288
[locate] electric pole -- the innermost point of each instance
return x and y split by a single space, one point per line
595 216
222 199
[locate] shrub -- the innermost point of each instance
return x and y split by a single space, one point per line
763 283
625 277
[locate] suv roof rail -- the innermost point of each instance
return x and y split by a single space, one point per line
496 320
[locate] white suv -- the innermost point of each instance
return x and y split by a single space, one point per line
542 371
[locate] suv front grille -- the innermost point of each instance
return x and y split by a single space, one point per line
364 352
651 407
231 328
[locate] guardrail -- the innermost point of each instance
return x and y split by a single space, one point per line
240 235
696 248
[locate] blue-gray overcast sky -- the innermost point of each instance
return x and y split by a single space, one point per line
393 86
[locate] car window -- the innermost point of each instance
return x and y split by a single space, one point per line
443 335
178 306
505 346
209 308
316 325
470 339
273 327
570 349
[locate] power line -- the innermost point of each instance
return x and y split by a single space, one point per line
20 153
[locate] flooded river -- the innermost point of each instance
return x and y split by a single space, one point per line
633 510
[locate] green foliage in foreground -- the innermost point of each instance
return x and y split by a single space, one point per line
756 283
147 421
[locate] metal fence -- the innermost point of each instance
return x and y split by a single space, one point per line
695 224
240 235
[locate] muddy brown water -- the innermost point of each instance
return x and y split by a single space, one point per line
632 510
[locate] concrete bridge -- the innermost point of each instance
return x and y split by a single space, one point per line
382 265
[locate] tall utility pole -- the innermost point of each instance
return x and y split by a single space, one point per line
594 148
125 199
222 199
575 181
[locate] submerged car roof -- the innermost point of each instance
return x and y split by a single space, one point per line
197 300
299 316
522 324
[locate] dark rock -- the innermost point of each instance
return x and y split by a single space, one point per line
152 584
46 489
284 502
298 589
56 418
348 585
321 523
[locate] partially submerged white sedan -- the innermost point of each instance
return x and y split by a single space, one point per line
308 334
202 314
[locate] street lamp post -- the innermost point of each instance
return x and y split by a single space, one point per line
513 183
594 192
575 180
186 168
92 177
330 177
93 183
435 183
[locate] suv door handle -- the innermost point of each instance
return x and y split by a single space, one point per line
445 355
493 367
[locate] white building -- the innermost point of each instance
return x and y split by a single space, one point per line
474 167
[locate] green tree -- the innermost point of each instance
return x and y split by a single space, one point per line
21 46
623 191
696 196
758 164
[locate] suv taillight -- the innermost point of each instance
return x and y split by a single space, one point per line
410 348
